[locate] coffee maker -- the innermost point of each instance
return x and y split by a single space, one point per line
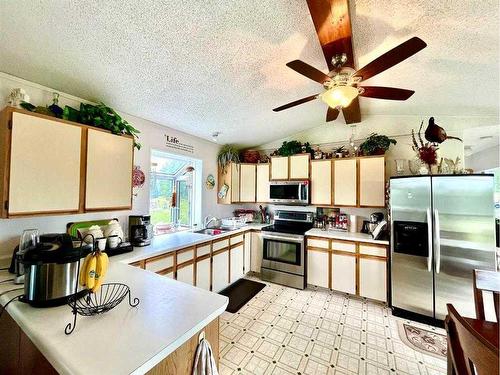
140 230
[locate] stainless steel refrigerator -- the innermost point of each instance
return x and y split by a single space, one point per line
442 227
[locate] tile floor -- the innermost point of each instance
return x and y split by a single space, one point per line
317 331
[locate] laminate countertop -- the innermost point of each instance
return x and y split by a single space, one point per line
125 340
167 243
345 236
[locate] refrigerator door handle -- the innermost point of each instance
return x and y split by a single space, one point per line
429 239
437 240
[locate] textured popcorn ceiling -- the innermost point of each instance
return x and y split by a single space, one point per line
205 66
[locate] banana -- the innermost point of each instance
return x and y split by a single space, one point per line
83 270
101 269
91 272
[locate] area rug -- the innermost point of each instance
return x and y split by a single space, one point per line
240 292
422 340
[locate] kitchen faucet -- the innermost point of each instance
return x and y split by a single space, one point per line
208 219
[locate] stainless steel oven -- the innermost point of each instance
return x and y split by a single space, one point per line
283 254
289 192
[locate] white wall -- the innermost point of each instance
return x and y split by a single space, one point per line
152 137
485 159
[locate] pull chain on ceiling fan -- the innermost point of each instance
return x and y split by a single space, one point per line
341 84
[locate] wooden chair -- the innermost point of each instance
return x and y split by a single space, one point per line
481 282
469 353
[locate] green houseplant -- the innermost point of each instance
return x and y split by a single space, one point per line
102 116
294 147
376 144
227 154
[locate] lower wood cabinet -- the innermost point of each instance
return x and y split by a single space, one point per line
257 248
186 274
220 274
236 264
317 268
348 267
211 265
203 275
247 249
373 278
344 273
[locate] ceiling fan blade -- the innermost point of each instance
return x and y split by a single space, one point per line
297 102
331 114
352 113
391 58
333 27
390 93
308 71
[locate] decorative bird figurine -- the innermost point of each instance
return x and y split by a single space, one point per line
436 134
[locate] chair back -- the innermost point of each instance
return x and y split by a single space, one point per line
470 353
478 299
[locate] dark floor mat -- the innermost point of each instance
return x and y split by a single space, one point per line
240 292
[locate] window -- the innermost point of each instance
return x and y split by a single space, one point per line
174 185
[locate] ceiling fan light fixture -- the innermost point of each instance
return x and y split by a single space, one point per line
340 96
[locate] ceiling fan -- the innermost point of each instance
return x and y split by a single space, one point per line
341 84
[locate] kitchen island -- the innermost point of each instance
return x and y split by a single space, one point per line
125 340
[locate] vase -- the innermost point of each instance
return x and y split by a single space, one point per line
414 166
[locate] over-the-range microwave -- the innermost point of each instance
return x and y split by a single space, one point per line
289 192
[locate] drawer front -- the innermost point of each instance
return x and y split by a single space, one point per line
344 246
373 250
323 244
220 244
236 239
203 250
158 264
184 256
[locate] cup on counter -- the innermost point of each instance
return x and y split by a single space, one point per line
114 241
101 243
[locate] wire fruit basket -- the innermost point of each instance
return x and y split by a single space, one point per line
109 296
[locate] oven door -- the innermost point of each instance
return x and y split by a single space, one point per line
283 252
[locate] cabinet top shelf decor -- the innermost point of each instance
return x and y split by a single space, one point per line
49 166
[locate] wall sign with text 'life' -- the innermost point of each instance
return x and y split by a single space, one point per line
175 143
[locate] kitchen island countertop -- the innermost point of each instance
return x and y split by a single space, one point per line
125 340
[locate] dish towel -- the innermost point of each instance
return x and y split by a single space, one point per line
204 362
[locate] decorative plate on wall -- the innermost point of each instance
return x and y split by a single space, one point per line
210 182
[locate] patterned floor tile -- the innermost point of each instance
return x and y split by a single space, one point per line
284 331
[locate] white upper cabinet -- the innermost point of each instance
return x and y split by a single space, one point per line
321 182
109 171
235 182
262 183
345 182
299 167
45 164
372 181
247 182
279 168
230 177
